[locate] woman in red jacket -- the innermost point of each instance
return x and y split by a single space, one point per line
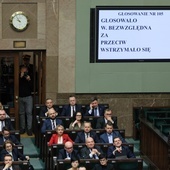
59 137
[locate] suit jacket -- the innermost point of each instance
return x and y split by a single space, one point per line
67 110
100 108
14 167
125 150
101 123
84 152
54 139
62 154
80 138
11 138
44 109
104 137
8 123
15 153
48 126
100 167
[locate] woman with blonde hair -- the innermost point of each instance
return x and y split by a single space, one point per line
59 137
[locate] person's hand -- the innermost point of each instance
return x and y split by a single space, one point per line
27 158
28 78
75 122
110 119
22 74
119 149
91 106
8 165
95 151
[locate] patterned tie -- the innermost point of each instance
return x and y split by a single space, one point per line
53 124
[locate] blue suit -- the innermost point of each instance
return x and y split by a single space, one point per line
100 109
67 110
48 126
80 138
125 150
104 137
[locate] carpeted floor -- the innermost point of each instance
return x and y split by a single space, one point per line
31 150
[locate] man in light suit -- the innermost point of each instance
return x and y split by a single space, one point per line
110 134
81 136
68 152
48 105
90 151
118 150
70 109
95 109
107 118
51 122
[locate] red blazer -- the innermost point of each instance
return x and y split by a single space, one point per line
54 139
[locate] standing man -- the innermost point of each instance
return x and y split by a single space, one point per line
25 100
70 109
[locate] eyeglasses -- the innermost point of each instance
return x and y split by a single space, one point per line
78 115
69 148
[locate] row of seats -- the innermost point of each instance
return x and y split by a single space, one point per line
149 113
52 151
119 164
72 133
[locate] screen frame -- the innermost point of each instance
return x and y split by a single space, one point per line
98 8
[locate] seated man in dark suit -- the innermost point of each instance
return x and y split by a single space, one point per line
51 122
110 134
90 151
5 121
107 118
70 109
104 165
7 136
68 152
81 136
48 105
8 163
118 150
95 109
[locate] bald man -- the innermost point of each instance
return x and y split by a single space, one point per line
51 122
68 152
90 151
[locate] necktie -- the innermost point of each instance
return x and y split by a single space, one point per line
72 111
53 124
95 111
87 135
2 124
68 155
